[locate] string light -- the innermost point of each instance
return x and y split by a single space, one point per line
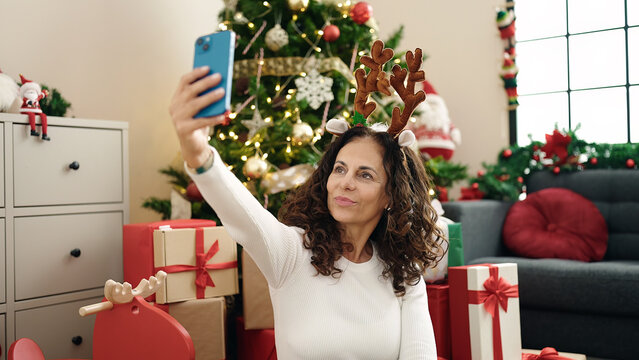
302 74
268 119
288 97
244 158
288 138
431 192
372 31
251 25
288 148
257 144
412 119
264 156
287 114
397 61
222 26
222 137
268 99
266 4
253 107
303 35
361 53
362 66
232 116
320 32
346 114
277 87
231 134
294 17
247 143
353 90
208 138
318 49
344 16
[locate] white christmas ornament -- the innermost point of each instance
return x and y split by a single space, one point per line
276 38
8 91
315 88
302 133
256 123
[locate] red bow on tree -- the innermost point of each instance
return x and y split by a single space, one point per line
557 144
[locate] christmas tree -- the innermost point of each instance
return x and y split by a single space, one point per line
293 71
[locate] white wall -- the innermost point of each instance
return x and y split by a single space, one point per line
464 58
120 60
113 60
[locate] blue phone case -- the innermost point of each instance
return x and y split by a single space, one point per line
216 50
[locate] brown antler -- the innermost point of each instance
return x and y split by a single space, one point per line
375 80
407 93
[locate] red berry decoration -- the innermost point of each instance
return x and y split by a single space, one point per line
593 161
556 170
520 179
193 193
331 33
361 12
536 157
481 173
475 186
507 153
630 163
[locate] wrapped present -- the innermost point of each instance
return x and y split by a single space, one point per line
137 247
484 312
205 321
439 309
549 353
255 344
453 248
258 309
200 263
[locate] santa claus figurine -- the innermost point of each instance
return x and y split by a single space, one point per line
31 94
435 133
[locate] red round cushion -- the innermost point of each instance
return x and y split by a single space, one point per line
556 223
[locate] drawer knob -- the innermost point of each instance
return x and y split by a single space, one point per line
77 340
76 252
74 165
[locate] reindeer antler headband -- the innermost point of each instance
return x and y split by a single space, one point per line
376 80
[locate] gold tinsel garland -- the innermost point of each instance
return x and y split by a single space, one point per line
286 66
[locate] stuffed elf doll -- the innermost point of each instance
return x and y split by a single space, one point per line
31 94
8 92
435 133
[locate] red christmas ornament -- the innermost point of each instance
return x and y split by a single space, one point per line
481 173
193 193
630 163
593 161
507 153
520 179
331 33
475 186
556 170
361 12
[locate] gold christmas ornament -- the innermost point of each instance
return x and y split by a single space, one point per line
287 179
276 38
255 167
297 5
302 133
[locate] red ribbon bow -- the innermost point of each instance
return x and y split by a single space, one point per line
546 353
202 276
497 292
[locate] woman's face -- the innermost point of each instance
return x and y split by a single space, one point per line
356 186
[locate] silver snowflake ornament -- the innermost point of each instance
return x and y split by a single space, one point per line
256 123
315 88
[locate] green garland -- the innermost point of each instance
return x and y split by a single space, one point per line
506 179
54 104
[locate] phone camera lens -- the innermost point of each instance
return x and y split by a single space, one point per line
200 41
205 47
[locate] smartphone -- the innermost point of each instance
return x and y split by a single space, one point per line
217 51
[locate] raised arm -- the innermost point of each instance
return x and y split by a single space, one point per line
274 247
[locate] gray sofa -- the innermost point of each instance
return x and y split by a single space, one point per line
589 308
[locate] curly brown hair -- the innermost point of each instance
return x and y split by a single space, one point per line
406 237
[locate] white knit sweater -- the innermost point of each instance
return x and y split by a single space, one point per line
356 316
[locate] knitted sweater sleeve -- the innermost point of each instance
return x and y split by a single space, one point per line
274 246
418 337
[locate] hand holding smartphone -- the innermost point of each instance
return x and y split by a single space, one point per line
217 51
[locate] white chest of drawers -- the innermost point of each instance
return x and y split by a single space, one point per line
62 206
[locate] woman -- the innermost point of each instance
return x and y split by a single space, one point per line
344 265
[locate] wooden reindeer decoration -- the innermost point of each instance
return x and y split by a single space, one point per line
376 81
